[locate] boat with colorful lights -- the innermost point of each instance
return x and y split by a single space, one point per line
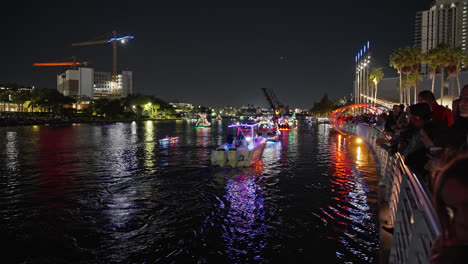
243 151
269 129
287 122
169 139
202 122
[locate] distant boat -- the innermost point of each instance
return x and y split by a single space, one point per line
242 151
286 123
169 139
322 119
269 129
202 122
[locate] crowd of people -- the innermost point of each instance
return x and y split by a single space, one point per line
426 134
433 142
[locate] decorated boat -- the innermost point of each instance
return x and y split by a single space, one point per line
169 139
269 129
287 122
202 122
241 151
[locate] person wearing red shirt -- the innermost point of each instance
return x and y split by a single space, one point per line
439 112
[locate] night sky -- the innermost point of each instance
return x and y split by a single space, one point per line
213 55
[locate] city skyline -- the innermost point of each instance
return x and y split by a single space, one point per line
217 56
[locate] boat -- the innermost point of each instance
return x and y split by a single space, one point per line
202 122
286 123
323 120
242 151
269 129
169 139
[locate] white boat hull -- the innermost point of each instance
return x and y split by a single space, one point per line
238 157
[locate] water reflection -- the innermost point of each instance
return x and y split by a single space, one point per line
245 232
149 143
12 150
55 164
203 141
351 213
358 155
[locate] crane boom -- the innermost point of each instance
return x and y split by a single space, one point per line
275 104
90 42
113 41
59 63
268 97
73 63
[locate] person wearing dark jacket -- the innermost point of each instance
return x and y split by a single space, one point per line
461 123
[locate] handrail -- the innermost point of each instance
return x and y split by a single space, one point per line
414 221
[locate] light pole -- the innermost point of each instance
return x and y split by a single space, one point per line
362 88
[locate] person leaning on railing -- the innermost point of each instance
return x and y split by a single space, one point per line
440 142
411 144
461 120
450 201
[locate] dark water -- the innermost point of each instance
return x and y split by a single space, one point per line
112 194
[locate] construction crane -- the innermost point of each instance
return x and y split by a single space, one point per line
278 108
73 63
113 40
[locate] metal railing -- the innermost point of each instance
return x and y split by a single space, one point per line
411 214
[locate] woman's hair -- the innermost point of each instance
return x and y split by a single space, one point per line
455 169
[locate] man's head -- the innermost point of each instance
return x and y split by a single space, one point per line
426 96
396 110
420 113
402 108
463 103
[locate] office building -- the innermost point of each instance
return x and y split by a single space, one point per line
86 84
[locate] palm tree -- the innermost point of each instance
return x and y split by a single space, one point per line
431 58
396 61
443 61
415 59
19 97
455 56
411 80
375 76
4 97
407 69
414 79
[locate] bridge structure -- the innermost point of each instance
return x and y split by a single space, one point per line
338 116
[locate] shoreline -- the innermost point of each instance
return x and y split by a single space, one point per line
23 122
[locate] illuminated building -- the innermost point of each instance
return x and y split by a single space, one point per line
104 87
86 84
76 83
445 22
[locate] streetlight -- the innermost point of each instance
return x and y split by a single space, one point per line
149 106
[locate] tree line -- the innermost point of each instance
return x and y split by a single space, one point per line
51 100
441 59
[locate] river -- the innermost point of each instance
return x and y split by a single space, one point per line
94 193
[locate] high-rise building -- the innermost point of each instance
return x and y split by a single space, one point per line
445 22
